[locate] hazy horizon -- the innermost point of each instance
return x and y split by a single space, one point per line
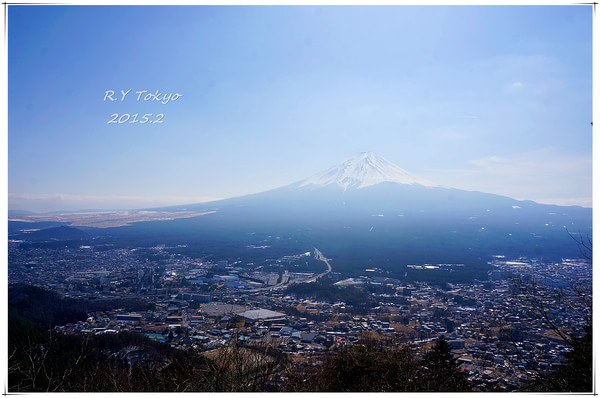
165 201
495 99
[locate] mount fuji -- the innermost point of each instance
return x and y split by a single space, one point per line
367 185
366 212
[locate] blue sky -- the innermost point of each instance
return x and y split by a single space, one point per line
489 98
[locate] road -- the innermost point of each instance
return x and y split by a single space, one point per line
285 280
319 256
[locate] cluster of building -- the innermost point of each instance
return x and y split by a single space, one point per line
494 330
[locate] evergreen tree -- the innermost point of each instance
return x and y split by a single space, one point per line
441 370
576 373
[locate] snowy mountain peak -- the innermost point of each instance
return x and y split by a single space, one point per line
363 170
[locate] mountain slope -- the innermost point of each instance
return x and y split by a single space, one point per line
366 185
368 213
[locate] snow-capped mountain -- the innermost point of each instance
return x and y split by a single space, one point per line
363 170
368 212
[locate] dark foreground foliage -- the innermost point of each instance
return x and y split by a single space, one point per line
49 309
366 368
130 362
112 363
577 373
44 360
